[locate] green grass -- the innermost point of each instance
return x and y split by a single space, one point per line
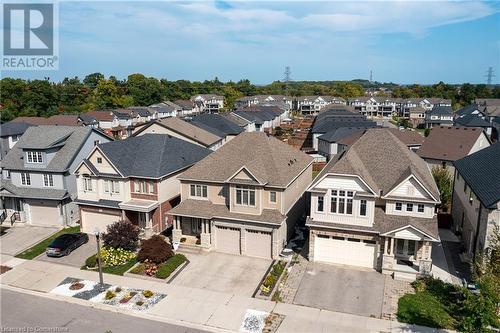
424 309
165 269
115 270
40 248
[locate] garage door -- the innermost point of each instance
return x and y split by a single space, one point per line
228 240
258 244
44 213
91 220
345 251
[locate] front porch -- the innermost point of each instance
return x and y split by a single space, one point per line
192 231
406 257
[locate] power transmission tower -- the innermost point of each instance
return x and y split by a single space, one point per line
287 78
490 75
371 76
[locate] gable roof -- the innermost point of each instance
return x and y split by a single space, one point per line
271 161
440 110
152 155
472 120
216 124
382 161
481 172
13 128
186 129
408 137
242 122
449 143
184 104
101 115
340 133
68 138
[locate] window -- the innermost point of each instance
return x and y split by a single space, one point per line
333 204
399 206
198 191
272 196
87 183
47 180
35 157
25 179
342 202
111 186
320 203
144 186
99 160
409 207
245 196
420 208
362 208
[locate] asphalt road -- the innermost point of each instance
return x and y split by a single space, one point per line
19 310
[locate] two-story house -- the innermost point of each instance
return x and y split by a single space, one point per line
38 185
374 207
243 199
476 198
135 180
439 115
209 103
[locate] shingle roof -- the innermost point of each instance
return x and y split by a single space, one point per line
472 120
13 128
216 124
33 192
69 138
152 155
333 123
101 115
481 172
449 143
408 137
439 110
268 159
234 118
341 133
185 104
382 161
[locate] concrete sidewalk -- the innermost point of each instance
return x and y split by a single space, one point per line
200 307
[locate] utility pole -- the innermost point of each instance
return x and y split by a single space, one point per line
287 78
489 75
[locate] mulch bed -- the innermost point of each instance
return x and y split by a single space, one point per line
4 269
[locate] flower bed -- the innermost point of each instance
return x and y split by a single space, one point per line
91 264
272 278
161 271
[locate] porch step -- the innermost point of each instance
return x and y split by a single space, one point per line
186 248
404 276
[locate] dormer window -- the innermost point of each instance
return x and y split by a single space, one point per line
34 157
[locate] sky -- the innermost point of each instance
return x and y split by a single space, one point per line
400 41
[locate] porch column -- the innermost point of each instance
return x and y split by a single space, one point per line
177 231
149 223
393 245
123 215
205 237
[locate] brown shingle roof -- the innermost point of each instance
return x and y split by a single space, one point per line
449 143
101 115
408 137
266 158
58 119
32 120
382 161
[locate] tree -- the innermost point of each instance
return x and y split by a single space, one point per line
92 80
444 183
122 234
155 250
144 91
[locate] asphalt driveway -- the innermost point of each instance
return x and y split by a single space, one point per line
77 257
347 290
19 239
223 272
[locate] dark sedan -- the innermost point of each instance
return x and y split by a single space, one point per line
64 244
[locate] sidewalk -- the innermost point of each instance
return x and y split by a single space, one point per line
202 308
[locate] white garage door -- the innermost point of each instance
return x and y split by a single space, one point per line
258 243
349 251
44 213
91 220
228 240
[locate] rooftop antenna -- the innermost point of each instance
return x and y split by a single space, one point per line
490 74
287 78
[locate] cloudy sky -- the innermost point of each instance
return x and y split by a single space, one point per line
403 42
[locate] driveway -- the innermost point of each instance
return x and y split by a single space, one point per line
223 272
347 290
18 239
77 257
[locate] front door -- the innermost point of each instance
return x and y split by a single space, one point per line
405 247
196 226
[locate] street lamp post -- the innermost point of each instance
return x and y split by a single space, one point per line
99 264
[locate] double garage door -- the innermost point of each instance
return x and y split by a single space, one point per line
91 220
345 251
256 243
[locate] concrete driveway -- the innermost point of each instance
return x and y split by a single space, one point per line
347 290
223 272
77 257
18 239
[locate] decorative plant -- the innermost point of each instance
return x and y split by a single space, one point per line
127 297
109 295
118 289
139 303
76 286
122 234
147 293
150 268
115 256
155 250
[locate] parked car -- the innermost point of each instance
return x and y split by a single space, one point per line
64 244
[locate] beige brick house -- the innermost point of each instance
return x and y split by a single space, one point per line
245 198
374 207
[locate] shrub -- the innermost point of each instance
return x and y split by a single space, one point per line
109 295
165 269
115 256
91 261
155 250
278 269
150 268
147 293
122 234
118 289
269 281
139 303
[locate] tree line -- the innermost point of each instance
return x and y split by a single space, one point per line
20 97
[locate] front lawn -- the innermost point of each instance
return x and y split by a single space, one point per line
164 270
91 265
40 248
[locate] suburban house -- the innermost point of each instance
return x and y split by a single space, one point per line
209 103
476 198
439 116
416 116
313 104
474 115
445 145
245 198
430 103
133 179
38 185
10 133
264 118
218 125
277 100
362 215
245 124
186 106
412 139
164 110
329 143
183 130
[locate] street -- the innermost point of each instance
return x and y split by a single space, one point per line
30 311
